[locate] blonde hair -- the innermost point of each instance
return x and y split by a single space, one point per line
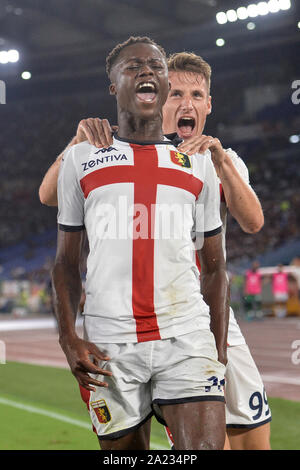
190 62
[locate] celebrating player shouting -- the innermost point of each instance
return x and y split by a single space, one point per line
185 112
147 326
188 105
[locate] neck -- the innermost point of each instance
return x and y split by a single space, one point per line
142 130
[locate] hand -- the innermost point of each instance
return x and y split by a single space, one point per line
97 131
77 352
202 143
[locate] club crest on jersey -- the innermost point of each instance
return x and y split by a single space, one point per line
101 410
180 159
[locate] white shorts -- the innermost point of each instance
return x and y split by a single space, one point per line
246 400
149 374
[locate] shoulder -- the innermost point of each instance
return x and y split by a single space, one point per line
203 167
202 160
238 163
236 160
78 153
84 148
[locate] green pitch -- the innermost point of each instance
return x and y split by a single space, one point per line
41 408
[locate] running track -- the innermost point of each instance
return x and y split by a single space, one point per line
270 341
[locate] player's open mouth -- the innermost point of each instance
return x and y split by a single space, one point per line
185 126
146 92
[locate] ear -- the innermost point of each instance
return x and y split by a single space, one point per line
112 89
209 105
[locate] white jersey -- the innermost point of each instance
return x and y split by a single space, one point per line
142 281
235 336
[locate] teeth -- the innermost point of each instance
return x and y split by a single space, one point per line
186 121
146 84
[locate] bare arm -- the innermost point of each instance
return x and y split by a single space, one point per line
242 202
48 187
67 288
97 131
215 290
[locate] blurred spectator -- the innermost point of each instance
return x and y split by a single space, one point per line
293 302
280 291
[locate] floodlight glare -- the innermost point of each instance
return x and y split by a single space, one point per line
251 26
220 42
273 6
252 10
3 57
13 55
231 15
294 139
242 13
26 75
221 17
284 4
262 8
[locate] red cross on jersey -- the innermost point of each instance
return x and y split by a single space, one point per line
139 204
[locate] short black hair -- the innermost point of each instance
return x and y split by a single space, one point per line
113 55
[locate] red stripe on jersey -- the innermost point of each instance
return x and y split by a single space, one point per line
179 179
143 248
104 176
146 175
129 174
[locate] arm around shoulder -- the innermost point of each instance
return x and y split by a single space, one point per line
48 187
241 200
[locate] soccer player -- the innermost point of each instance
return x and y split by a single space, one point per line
153 343
185 112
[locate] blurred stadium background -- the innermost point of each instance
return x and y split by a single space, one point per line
52 64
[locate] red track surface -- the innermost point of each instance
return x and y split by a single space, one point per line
270 341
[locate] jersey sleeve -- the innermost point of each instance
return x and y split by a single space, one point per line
70 197
239 165
208 219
